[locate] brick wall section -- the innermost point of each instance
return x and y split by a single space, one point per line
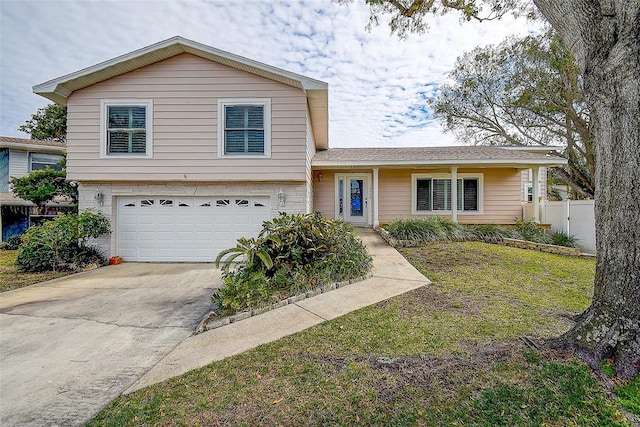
296 198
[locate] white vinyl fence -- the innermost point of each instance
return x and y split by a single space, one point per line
574 217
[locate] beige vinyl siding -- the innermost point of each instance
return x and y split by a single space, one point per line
502 203
324 193
394 194
185 90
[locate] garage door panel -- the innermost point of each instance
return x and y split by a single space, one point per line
164 228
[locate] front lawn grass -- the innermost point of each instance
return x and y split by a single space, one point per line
444 354
12 278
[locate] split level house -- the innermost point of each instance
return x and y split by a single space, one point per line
19 157
186 148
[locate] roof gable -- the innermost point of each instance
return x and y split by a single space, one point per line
59 89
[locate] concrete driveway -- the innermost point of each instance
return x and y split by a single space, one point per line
70 346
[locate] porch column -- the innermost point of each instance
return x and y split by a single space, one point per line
535 176
454 193
376 222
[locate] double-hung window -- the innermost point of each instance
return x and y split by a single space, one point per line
126 128
244 127
432 193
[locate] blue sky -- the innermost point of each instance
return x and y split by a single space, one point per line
378 84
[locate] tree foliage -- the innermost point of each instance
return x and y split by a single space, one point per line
525 91
408 16
48 123
44 185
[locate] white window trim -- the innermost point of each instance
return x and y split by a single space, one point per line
528 186
414 194
266 103
31 153
148 104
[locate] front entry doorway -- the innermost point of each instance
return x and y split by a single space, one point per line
353 198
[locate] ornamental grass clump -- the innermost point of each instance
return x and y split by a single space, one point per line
291 255
436 229
560 238
432 229
492 233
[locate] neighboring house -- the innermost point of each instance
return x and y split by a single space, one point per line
186 148
18 157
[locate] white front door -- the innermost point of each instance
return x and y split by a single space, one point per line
353 198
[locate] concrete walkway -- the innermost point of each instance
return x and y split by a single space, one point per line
392 275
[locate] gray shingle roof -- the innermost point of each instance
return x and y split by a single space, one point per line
6 141
424 156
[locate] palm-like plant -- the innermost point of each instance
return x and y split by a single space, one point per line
251 249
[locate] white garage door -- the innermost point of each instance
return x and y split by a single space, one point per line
165 228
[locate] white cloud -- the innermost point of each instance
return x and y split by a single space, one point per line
378 83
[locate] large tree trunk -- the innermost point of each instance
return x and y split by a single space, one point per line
605 38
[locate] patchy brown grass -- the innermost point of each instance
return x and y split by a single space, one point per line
12 278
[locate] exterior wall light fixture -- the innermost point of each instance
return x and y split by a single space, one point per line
282 198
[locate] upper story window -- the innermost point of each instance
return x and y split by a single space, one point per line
244 127
39 161
126 128
432 193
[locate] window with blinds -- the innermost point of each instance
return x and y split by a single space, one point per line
126 128
244 127
434 194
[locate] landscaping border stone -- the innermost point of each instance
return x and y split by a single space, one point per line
516 243
211 321
542 247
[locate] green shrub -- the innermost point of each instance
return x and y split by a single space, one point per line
432 229
292 254
13 243
560 238
436 229
531 231
242 290
493 233
62 243
311 241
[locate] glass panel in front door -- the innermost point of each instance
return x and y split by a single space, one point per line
357 197
340 197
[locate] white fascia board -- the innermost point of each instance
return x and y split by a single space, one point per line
441 163
33 148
